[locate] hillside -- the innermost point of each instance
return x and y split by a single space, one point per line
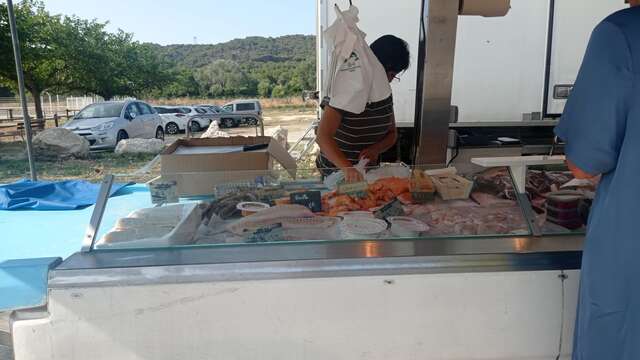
258 49
253 66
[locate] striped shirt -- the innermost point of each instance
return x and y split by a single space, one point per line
359 131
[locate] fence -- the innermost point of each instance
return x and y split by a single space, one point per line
11 110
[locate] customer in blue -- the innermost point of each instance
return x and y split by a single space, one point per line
601 128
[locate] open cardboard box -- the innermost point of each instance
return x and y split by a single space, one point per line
197 165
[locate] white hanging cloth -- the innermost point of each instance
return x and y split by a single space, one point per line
356 76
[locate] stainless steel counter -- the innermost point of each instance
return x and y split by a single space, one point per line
318 259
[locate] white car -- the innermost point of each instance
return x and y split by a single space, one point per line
107 123
174 118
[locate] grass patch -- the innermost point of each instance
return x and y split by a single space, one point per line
14 165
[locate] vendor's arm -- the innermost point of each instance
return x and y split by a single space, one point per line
331 119
594 120
374 151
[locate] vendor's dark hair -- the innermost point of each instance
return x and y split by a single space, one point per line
392 52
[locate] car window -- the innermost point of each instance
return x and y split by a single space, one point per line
201 111
245 107
161 110
144 109
133 109
104 110
228 108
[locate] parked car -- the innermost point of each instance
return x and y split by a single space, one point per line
201 117
107 123
246 112
252 107
214 108
174 118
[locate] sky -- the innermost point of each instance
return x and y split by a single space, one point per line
209 22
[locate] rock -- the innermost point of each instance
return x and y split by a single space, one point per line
281 135
139 146
59 143
214 131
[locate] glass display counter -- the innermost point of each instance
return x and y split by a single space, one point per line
397 211
271 257
394 202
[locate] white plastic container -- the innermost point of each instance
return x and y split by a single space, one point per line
362 227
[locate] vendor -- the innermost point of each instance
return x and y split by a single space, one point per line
346 137
601 128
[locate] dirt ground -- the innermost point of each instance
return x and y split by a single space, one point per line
14 165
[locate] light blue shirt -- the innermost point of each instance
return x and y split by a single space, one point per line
601 128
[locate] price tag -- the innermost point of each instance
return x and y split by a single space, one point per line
310 199
163 192
355 189
394 208
267 234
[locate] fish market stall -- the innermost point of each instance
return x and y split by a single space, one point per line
446 264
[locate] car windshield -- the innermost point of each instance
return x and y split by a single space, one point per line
104 110
162 110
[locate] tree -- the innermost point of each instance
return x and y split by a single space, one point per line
111 64
224 78
41 57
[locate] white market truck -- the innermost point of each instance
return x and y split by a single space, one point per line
511 74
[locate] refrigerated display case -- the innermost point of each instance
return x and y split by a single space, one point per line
306 282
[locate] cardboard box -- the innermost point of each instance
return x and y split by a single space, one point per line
197 165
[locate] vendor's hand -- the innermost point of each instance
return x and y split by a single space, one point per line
352 175
370 153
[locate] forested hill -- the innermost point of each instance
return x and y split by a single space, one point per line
253 66
255 48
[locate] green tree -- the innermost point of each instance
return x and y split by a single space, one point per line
224 78
279 91
111 63
42 62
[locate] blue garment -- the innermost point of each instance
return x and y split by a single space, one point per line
601 128
51 195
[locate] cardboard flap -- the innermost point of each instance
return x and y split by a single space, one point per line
282 156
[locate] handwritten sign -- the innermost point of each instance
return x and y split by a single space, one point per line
163 192
310 199
268 234
393 208
356 189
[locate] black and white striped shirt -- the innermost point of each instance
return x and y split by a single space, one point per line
359 131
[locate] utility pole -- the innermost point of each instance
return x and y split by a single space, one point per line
23 96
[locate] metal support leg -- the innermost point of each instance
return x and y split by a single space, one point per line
98 212
438 44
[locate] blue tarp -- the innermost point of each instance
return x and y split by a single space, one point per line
50 195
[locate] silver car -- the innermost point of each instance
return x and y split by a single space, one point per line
107 123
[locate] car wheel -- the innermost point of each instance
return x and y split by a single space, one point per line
172 128
195 127
160 133
228 123
122 135
251 121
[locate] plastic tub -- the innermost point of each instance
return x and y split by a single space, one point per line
356 214
249 208
404 226
362 227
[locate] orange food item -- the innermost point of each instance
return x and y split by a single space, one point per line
379 193
406 198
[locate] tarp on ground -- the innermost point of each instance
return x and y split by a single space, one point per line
51 195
